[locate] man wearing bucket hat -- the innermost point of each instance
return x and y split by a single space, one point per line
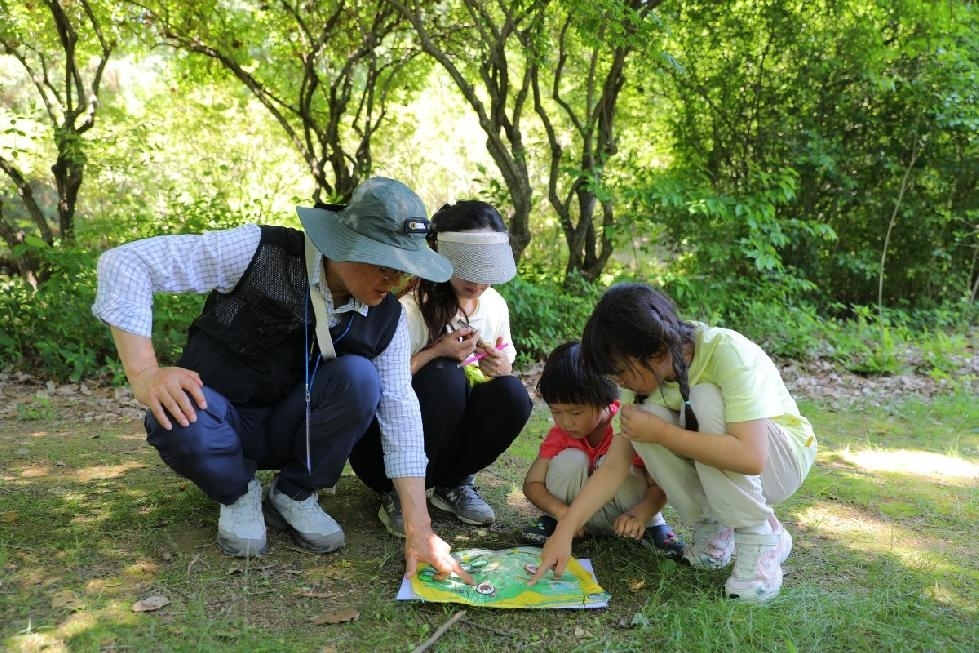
300 347
462 362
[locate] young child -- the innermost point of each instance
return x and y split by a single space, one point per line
583 405
719 432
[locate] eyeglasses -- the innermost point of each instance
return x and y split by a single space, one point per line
390 274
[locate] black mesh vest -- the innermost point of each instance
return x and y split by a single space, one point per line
249 344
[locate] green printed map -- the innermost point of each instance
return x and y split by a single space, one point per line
501 582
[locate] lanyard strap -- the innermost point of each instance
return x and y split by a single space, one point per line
308 378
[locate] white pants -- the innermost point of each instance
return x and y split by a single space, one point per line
567 473
700 492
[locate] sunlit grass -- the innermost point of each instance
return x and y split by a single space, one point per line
917 463
884 556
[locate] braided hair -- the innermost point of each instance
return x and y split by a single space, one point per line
437 300
634 320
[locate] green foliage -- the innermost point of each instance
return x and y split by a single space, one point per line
732 240
36 409
841 96
325 75
872 345
787 332
941 353
49 330
545 312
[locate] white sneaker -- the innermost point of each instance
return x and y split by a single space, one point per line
758 562
307 523
712 546
241 528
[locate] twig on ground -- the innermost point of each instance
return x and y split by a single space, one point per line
497 631
441 631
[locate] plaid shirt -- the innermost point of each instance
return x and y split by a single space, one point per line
129 276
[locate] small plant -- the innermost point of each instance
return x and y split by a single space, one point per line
939 357
872 345
545 312
37 409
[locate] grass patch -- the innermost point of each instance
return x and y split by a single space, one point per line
91 522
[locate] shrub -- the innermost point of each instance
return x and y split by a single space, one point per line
545 312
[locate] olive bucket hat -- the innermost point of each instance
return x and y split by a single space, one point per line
384 224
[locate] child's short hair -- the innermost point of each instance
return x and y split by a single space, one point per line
567 380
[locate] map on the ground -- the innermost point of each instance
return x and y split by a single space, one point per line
501 582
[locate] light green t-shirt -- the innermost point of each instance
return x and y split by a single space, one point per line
751 386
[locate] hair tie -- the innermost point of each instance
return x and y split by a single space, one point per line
687 403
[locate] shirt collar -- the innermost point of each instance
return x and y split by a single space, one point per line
319 285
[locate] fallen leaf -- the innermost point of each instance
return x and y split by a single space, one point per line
151 603
310 594
338 617
66 599
9 517
636 585
639 619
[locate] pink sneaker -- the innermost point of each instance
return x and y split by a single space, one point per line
712 546
757 575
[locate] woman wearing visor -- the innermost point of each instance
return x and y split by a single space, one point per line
462 367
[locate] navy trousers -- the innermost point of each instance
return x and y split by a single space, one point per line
466 427
221 451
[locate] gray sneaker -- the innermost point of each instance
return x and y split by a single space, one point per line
241 528
463 502
308 524
390 514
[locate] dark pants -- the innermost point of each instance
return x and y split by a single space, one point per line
221 451
466 427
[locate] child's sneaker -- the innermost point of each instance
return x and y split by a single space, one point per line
712 546
665 540
539 531
757 572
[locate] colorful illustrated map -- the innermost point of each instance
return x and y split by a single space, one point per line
501 582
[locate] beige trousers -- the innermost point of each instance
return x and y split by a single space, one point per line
700 492
567 473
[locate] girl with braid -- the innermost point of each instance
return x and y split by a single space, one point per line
716 428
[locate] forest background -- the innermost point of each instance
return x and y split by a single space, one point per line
804 172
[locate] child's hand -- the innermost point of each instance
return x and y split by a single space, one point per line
554 555
628 525
638 425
